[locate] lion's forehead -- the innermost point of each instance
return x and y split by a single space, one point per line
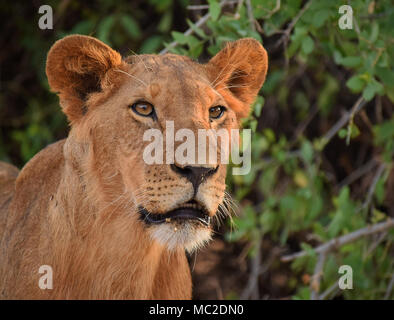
170 67
173 77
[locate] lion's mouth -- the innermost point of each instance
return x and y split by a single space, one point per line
190 210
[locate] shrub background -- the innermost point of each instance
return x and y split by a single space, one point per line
323 130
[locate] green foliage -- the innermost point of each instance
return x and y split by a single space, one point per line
295 194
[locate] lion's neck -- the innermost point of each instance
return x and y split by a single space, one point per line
108 248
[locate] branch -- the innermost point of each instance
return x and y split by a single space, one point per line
189 31
360 103
274 10
333 288
315 280
206 6
250 15
286 33
254 275
358 173
372 187
347 238
389 288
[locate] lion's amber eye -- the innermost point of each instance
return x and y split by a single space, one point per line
216 112
143 108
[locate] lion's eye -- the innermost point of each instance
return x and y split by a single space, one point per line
143 108
216 112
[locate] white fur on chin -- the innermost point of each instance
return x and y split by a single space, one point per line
188 235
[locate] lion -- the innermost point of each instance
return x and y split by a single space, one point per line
109 225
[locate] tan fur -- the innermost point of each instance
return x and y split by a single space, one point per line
74 206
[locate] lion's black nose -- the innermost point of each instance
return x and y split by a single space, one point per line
196 175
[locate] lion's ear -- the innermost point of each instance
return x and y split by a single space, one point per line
76 66
238 72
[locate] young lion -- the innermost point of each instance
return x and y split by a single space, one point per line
108 224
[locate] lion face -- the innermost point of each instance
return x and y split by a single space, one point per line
112 103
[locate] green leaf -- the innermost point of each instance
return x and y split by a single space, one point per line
307 151
131 26
214 9
151 45
386 75
372 89
355 83
196 29
374 32
342 133
351 61
307 45
320 17
165 22
258 106
379 190
179 37
105 28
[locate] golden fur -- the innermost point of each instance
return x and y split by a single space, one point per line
74 205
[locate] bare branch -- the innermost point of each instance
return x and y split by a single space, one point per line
389 288
254 275
286 34
206 6
189 31
333 288
274 10
359 172
372 187
347 238
250 15
315 280
360 103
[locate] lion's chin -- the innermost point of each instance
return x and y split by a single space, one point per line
188 235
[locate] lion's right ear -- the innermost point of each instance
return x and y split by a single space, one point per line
76 67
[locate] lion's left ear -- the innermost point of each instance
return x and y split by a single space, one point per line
238 72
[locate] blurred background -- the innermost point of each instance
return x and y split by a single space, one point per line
322 142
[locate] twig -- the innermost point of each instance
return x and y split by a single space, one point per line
340 241
189 31
206 6
372 187
315 280
254 274
286 34
333 288
389 288
303 125
374 244
359 172
360 103
274 10
250 15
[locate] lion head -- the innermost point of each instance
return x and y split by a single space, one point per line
111 102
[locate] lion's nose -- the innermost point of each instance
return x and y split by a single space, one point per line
196 175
